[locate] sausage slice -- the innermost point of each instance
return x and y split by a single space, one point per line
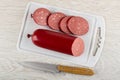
54 20
78 25
63 24
40 16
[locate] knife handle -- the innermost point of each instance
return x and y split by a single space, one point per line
75 70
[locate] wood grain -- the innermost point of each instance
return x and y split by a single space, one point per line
76 70
11 14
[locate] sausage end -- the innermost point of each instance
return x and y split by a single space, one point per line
77 47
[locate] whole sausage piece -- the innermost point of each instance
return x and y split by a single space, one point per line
58 42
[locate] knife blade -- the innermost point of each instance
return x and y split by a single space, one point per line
57 68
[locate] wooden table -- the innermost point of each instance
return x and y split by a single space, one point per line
11 14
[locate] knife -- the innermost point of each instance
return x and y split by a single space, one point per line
57 68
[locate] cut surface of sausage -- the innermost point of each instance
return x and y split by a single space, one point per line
63 24
78 25
54 20
77 47
40 16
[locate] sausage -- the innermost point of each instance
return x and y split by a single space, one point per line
54 19
58 42
40 16
63 24
78 25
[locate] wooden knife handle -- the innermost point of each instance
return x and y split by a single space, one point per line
75 70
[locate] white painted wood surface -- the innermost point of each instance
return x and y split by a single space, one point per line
11 14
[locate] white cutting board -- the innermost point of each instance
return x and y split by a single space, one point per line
29 26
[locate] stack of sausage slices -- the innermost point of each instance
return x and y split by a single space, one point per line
75 25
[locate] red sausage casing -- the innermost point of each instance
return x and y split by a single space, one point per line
58 42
